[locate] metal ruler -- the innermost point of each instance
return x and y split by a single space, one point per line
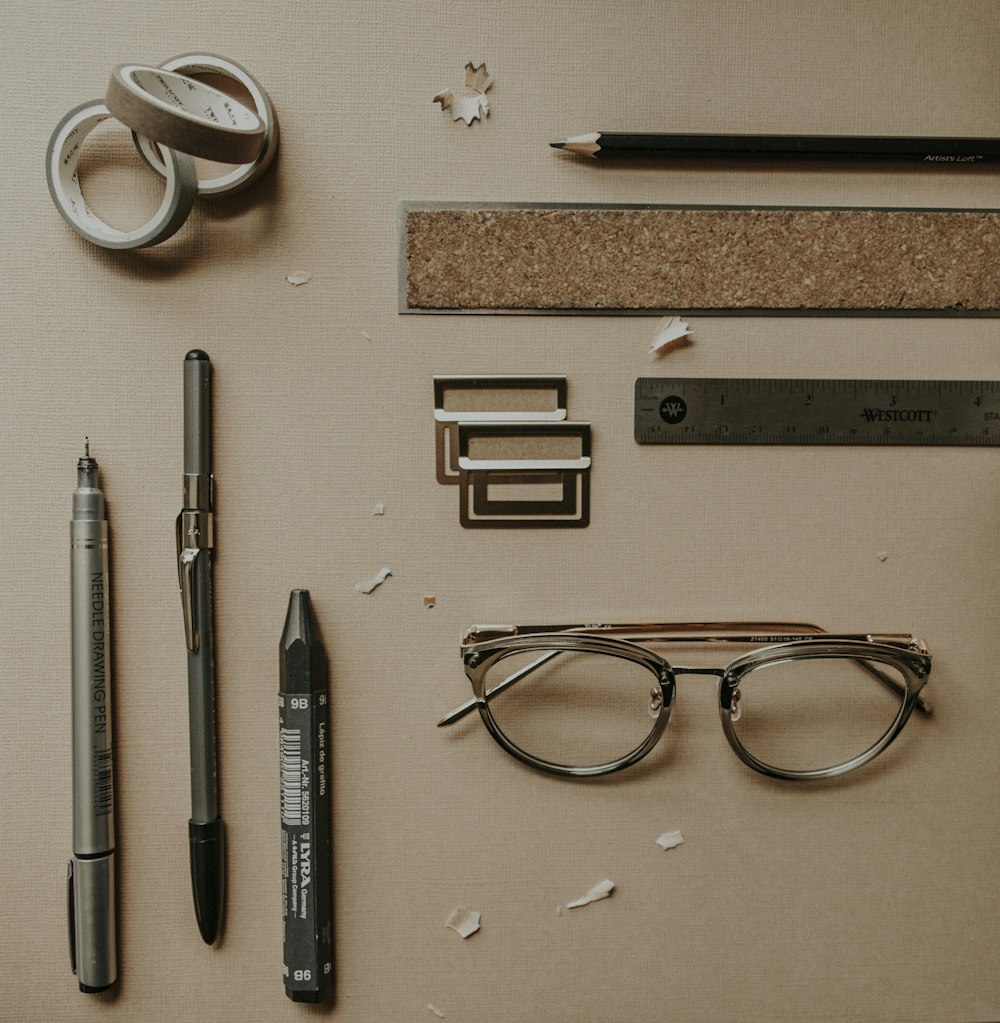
705 410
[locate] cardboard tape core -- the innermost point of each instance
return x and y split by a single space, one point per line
246 173
61 162
184 114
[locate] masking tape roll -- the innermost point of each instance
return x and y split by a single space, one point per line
61 159
247 173
184 114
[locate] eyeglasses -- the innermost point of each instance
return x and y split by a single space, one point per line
804 704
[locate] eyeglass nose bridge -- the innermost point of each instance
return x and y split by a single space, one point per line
715 672
728 686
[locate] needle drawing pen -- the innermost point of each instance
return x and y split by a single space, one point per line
91 876
937 151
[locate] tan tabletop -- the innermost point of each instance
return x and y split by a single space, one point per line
875 898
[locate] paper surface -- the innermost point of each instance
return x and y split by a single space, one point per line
872 899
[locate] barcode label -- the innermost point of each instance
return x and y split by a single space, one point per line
290 747
102 782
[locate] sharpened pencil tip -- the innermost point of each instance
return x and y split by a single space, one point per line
558 145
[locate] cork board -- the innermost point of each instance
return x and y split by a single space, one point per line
725 259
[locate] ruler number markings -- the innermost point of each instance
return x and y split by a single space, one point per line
697 410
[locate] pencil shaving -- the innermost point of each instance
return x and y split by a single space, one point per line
601 890
469 102
463 921
374 582
672 332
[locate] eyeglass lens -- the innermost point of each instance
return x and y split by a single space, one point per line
577 709
814 713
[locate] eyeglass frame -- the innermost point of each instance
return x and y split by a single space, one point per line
485 645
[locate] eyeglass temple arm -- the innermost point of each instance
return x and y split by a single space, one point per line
690 631
466 708
890 683
459 712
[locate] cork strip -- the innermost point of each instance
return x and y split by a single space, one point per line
736 260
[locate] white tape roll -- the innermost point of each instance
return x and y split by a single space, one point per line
184 114
247 173
61 161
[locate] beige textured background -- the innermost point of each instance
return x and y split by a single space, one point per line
875 898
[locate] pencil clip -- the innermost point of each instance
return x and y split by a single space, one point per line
186 563
71 913
186 559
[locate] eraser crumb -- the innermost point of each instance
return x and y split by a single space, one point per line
297 278
374 582
671 333
670 840
601 890
463 921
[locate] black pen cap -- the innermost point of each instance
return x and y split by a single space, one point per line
208 871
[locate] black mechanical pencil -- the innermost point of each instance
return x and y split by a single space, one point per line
195 554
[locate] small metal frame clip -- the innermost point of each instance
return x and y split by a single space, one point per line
570 509
445 420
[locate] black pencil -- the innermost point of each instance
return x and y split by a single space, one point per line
944 151
306 852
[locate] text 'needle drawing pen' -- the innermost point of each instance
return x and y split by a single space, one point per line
195 551
91 875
